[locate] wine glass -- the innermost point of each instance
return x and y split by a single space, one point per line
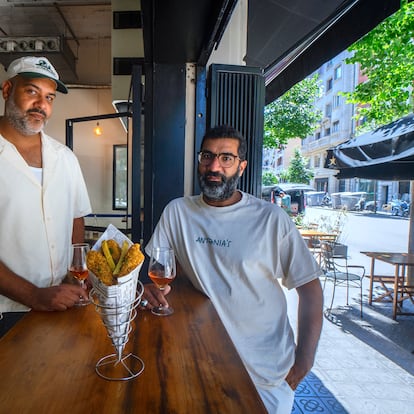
78 268
161 271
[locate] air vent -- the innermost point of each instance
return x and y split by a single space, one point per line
127 19
123 66
55 48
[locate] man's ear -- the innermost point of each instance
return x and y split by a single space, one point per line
6 88
243 165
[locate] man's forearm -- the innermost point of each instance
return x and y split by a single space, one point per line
309 322
15 287
78 232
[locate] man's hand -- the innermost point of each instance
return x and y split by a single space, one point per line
297 373
154 296
57 298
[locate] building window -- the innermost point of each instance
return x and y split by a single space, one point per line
318 135
328 110
336 101
338 72
335 127
329 83
327 132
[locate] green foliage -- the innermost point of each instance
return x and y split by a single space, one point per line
284 176
268 178
333 222
386 57
298 171
293 115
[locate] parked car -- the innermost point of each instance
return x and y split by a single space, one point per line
315 198
349 200
293 198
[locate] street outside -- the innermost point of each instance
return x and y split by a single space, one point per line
363 365
368 231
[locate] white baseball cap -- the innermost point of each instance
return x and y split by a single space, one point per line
35 67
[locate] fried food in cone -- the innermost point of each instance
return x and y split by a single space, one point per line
97 264
114 249
133 258
110 261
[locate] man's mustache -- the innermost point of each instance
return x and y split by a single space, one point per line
39 111
215 174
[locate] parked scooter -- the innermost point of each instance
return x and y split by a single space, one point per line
400 208
326 201
360 205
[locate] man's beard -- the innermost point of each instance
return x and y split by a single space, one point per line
20 120
218 191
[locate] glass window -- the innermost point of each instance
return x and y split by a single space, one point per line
329 83
336 101
338 72
120 171
335 127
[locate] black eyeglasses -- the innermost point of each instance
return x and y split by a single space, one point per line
226 160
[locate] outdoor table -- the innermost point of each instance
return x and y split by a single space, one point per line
314 238
317 234
48 363
401 289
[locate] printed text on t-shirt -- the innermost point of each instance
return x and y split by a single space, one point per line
207 240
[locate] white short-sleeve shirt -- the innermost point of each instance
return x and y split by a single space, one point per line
37 220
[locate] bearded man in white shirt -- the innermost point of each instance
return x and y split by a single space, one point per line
43 198
235 248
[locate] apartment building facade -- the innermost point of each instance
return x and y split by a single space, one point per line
338 125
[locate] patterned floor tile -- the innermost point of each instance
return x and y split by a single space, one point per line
312 396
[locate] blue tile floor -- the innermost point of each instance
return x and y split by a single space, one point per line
363 365
312 396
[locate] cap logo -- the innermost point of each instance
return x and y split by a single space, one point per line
42 64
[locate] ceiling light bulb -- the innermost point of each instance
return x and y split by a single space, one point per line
97 130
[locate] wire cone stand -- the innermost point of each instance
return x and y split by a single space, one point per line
117 318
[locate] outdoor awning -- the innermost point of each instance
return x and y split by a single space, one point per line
384 154
287 39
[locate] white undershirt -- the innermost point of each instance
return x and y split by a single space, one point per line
37 173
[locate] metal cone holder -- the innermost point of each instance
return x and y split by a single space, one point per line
117 311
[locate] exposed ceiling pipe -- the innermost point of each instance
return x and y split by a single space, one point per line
67 24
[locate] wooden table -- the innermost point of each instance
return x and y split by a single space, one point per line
401 290
48 363
314 238
321 235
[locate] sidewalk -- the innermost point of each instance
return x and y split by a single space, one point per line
363 366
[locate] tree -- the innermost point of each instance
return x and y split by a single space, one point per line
385 56
268 178
297 171
293 115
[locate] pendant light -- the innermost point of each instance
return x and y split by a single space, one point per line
97 130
